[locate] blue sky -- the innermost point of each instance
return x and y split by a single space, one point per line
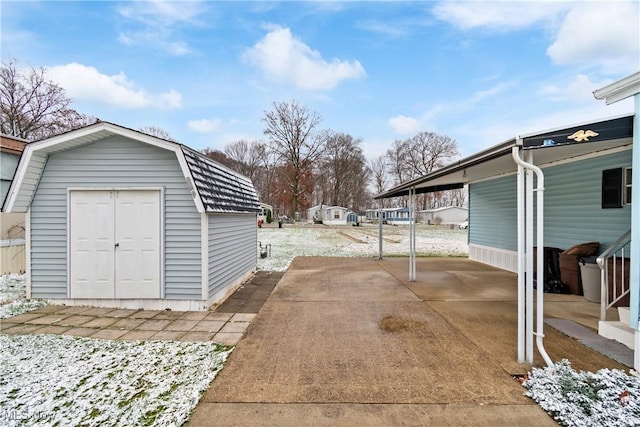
205 71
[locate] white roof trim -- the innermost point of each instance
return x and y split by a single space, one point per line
83 136
619 90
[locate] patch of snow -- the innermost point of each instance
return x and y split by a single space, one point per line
319 240
609 397
13 296
62 380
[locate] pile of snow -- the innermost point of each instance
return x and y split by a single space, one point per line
61 380
13 296
608 397
319 240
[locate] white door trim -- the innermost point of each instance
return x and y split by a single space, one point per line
160 189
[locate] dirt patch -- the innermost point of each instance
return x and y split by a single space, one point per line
396 325
348 236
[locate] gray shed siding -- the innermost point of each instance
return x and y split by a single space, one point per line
232 249
573 211
114 162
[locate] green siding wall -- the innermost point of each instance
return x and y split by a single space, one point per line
573 212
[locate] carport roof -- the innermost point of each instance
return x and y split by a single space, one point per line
550 147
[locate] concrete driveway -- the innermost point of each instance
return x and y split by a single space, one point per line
350 341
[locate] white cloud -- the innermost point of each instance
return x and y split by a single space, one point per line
579 89
603 35
497 16
205 125
84 83
404 125
159 20
284 57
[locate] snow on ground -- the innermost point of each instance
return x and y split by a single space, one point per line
53 380
609 397
346 241
13 296
59 380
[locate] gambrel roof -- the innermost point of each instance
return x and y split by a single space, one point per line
214 187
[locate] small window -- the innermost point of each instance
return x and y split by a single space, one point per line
627 186
612 188
336 215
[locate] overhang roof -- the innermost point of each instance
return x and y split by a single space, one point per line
549 147
212 184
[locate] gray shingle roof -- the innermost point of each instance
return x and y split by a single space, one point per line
220 189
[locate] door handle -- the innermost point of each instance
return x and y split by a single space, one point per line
117 244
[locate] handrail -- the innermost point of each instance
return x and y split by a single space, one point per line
619 292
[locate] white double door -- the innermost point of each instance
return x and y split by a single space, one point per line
114 239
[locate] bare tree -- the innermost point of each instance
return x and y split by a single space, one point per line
378 168
429 151
297 142
249 157
157 132
34 107
343 172
397 161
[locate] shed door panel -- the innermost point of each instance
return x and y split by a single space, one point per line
91 241
115 244
137 237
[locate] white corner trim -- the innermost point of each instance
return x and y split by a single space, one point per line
27 250
204 245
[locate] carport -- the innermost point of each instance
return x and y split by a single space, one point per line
524 157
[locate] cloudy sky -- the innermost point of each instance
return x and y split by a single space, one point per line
205 71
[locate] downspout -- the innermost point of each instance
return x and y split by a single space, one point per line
540 244
380 213
523 336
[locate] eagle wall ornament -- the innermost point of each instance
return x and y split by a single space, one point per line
583 135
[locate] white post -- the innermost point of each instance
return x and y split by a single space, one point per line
522 357
412 235
380 213
529 262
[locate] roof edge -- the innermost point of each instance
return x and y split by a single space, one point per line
619 90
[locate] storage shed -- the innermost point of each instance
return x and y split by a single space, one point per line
118 218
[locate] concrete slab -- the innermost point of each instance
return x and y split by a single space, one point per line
80 332
227 338
127 323
109 334
138 335
21 318
145 314
22 328
121 312
168 335
77 320
153 325
48 319
197 336
383 415
358 285
194 315
100 322
73 310
181 325
169 315
49 309
208 326
53 329
242 317
235 327
222 317
97 311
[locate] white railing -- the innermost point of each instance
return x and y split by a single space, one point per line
614 273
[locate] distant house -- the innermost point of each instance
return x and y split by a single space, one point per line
393 216
328 215
444 216
263 214
118 218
